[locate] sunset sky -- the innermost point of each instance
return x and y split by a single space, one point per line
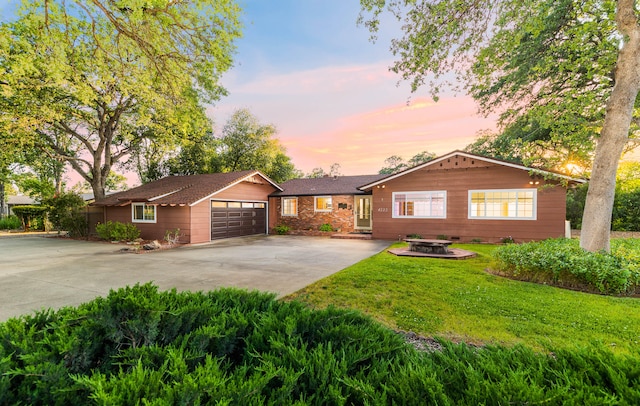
306 67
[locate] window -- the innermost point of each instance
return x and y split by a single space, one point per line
143 213
289 206
322 203
420 204
508 204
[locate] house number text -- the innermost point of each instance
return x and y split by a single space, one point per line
383 209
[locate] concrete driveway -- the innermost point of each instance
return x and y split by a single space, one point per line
37 272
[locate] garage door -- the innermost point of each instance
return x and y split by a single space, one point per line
235 219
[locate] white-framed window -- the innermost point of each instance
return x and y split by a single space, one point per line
427 204
503 204
290 206
143 213
322 203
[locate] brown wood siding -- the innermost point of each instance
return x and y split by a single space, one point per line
246 191
194 222
457 177
167 218
274 212
201 222
341 216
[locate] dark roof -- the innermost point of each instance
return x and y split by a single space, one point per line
373 183
340 185
179 190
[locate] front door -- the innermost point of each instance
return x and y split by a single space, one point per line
363 212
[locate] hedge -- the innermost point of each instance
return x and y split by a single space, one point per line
143 346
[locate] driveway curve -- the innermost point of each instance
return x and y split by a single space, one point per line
37 272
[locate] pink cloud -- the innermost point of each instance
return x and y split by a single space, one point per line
356 116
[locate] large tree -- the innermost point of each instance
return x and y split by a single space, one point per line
90 81
530 143
245 143
556 60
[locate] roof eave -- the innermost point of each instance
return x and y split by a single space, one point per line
468 155
235 182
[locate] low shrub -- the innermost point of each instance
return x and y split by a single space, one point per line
442 237
562 262
142 346
326 227
11 222
507 240
415 236
282 229
117 231
172 237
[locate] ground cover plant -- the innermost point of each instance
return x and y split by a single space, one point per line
11 222
562 262
142 346
460 301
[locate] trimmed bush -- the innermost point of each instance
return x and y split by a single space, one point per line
117 231
142 346
562 262
32 217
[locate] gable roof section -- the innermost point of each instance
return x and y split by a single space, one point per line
181 190
473 156
339 185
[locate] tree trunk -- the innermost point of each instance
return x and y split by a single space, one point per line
596 220
97 185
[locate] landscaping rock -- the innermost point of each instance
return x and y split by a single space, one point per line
153 245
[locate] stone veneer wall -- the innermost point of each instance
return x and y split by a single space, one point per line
341 216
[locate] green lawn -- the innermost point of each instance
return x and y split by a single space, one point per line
458 300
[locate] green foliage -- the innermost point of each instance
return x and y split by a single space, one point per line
325 227
10 223
247 144
139 345
37 187
529 142
415 236
143 70
30 216
117 231
460 301
395 163
563 263
282 229
626 207
575 204
442 237
65 213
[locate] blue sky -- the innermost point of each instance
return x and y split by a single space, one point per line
306 67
